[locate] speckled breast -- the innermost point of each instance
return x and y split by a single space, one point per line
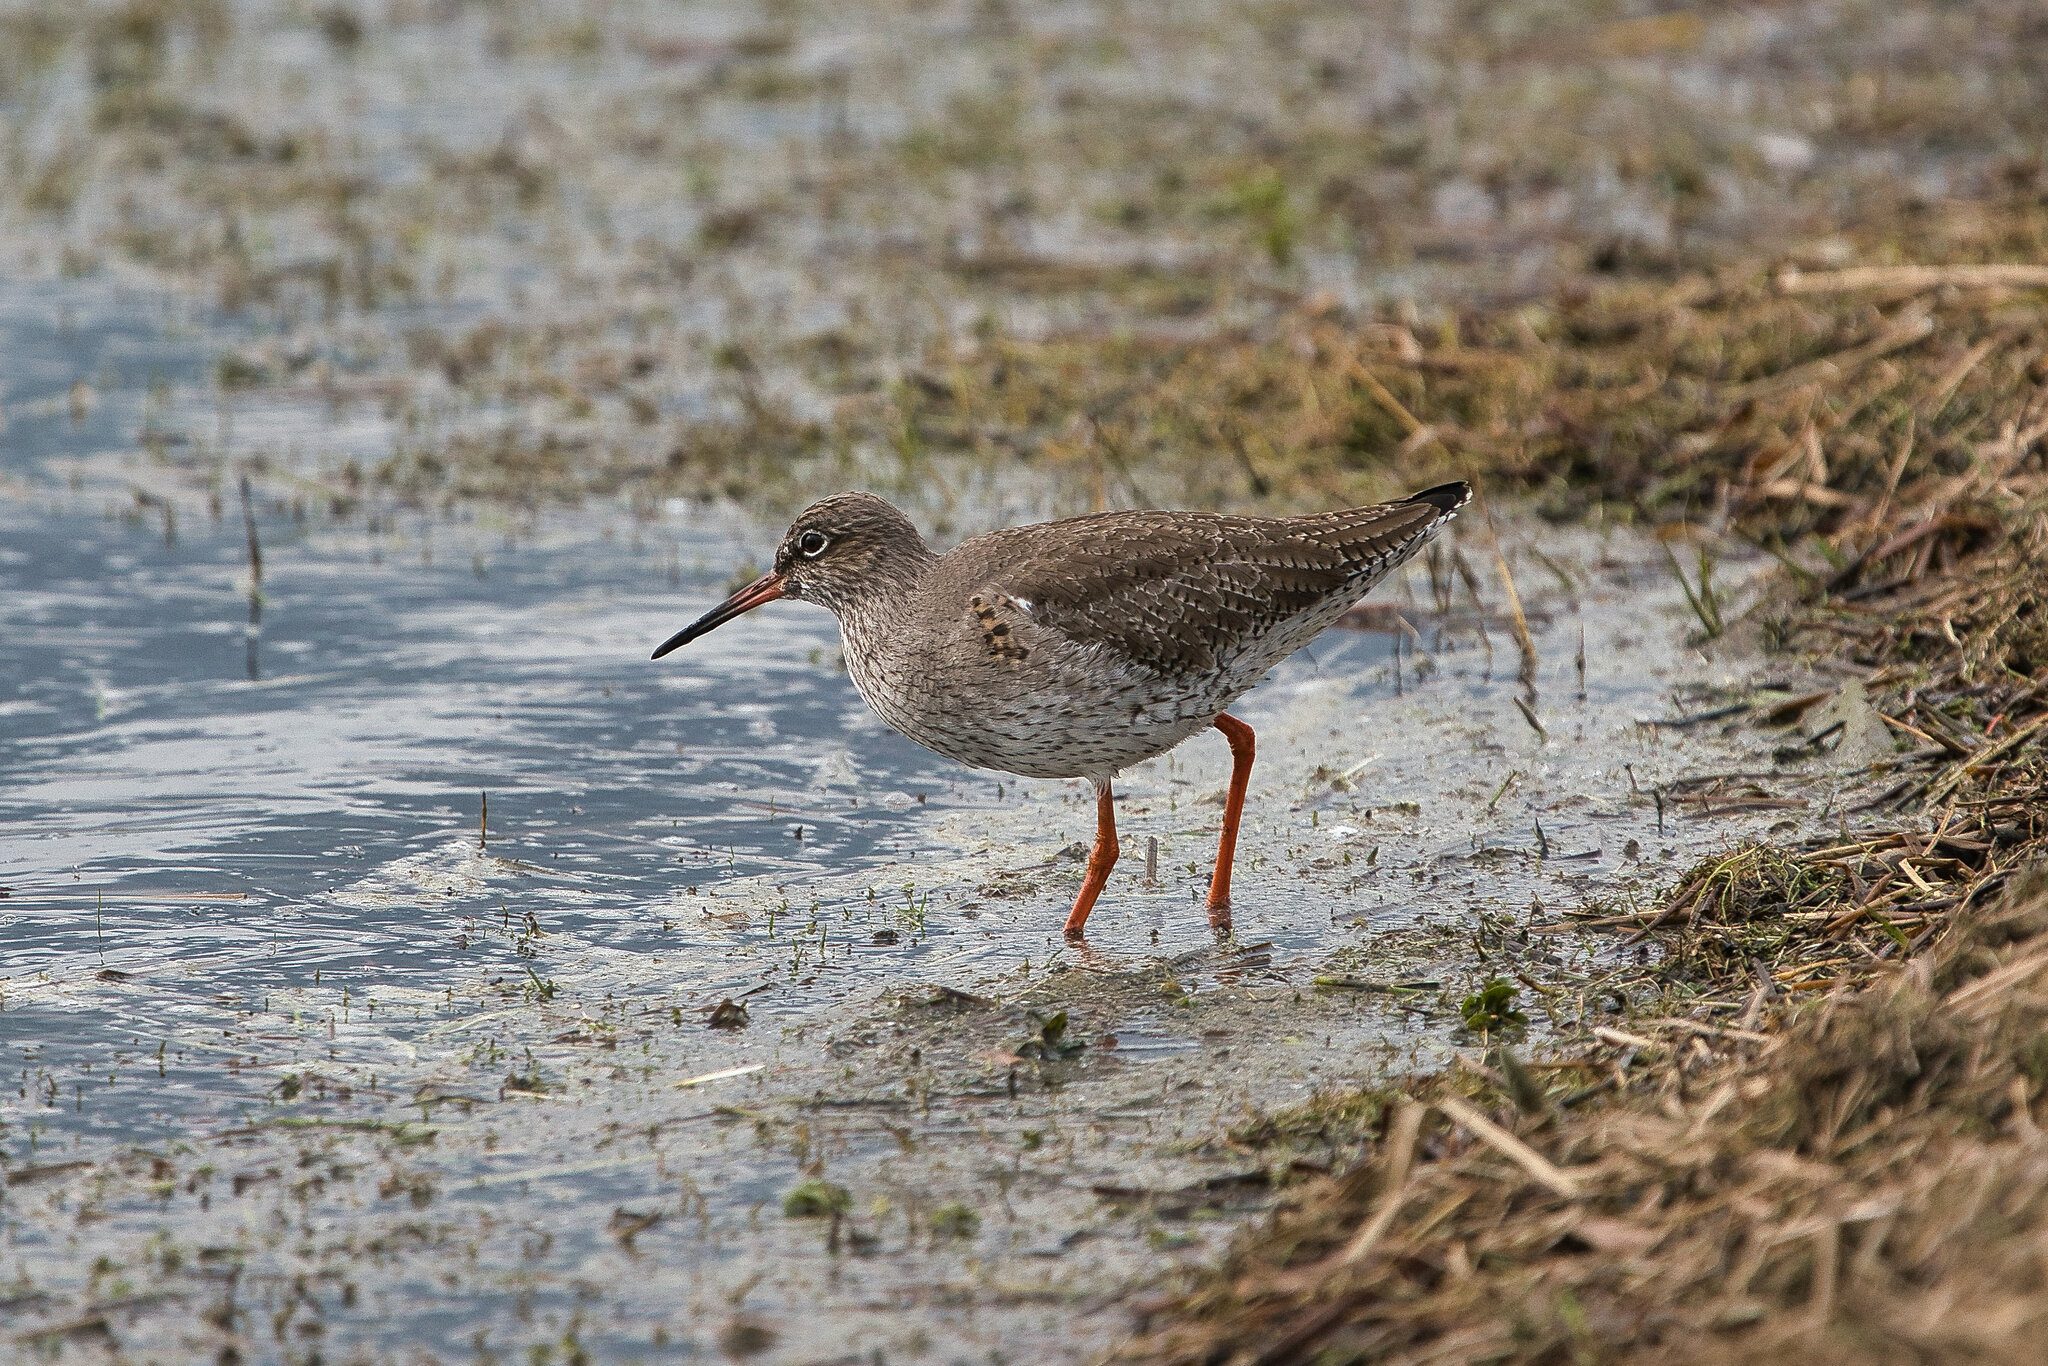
1060 714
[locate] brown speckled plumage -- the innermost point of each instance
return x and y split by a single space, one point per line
1073 649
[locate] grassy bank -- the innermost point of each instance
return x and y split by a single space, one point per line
1823 1143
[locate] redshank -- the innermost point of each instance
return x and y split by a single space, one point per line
1076 648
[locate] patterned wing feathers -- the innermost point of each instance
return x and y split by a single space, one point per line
1170 592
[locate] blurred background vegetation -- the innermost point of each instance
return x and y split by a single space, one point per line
659 250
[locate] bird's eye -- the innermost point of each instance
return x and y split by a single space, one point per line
811 544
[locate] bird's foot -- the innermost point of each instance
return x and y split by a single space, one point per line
1219 918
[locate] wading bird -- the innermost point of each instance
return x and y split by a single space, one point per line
1076 648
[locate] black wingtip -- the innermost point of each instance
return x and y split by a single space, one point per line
1445 497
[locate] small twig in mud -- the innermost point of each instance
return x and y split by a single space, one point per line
626 1225
1579 662
943 995
1529 715
483 821
1151 860
1505 783
255 628
1698 718
1362 984
1440 583
1908 331
722 1074
1395 408
2007 274
249 531
1563 576
1517 619
1399 1148
1540 1169
1471 582
1704 603
1324 782
1789 711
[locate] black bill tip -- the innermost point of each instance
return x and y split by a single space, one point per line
767 588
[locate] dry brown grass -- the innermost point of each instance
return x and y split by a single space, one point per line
1792 402
1867 1184
1826 1147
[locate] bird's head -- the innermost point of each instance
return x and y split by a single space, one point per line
841 553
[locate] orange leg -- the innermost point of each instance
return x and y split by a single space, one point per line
1242 746
1101 859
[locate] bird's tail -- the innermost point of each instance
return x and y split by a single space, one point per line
1372 541
1445 498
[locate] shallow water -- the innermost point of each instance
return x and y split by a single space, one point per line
184 794
253 927
306 1054
243 861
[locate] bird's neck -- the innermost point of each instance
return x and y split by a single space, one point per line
887 591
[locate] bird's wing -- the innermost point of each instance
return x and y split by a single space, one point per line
1169 592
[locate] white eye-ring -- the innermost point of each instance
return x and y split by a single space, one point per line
812 544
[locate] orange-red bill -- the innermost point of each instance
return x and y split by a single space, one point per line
767 588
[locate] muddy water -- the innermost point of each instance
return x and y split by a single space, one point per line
306 1053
